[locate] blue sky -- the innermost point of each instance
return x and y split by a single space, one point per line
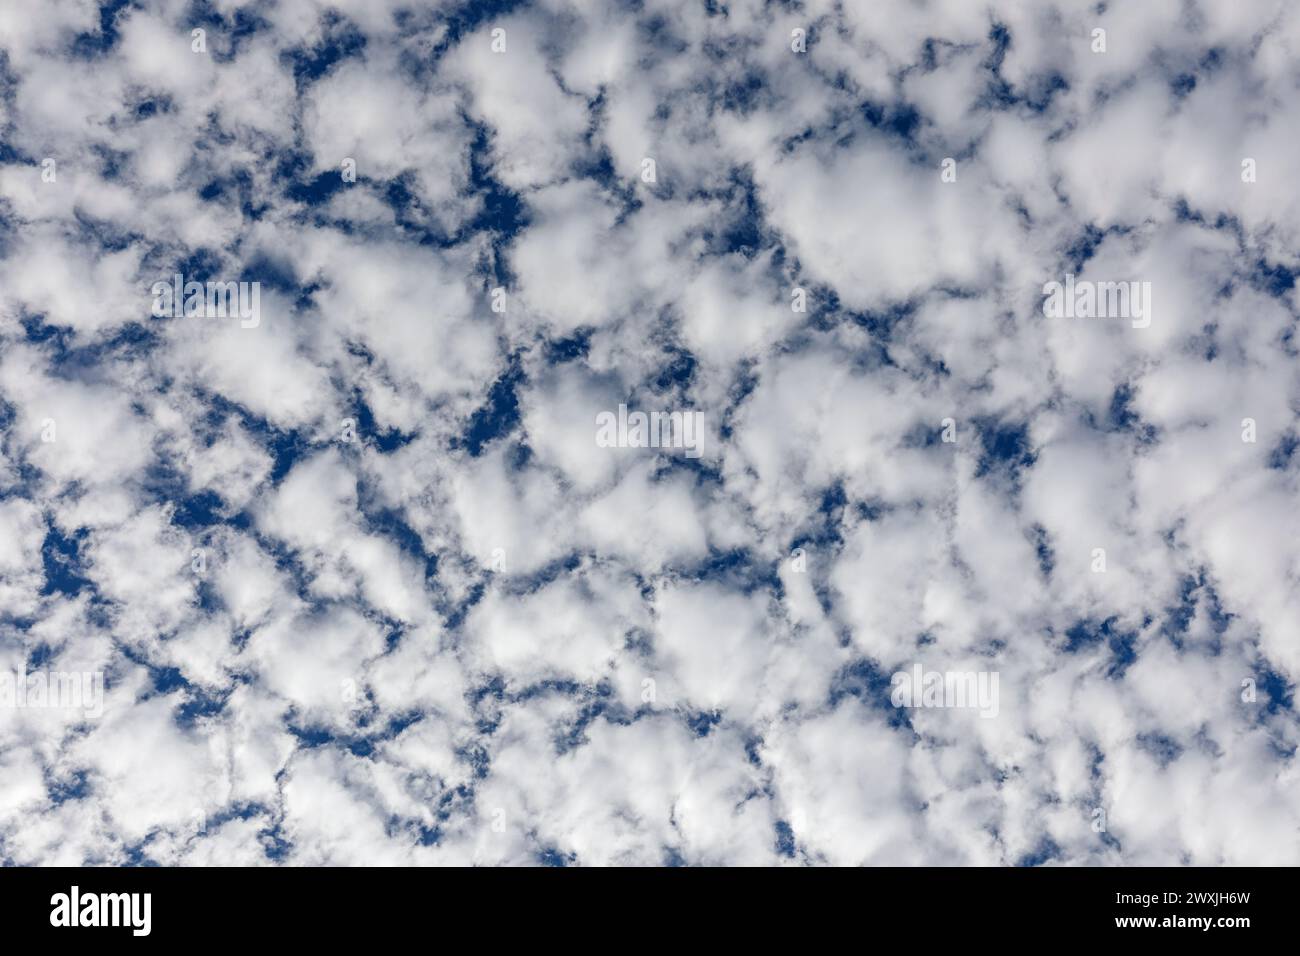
363 586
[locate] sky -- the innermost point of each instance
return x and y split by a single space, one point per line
362 581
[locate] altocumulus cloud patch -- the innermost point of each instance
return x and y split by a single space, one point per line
566 434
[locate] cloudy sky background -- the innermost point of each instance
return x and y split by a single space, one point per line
431 644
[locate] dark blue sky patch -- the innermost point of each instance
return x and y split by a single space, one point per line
519 456
864 680
741 387
340 39
167 679
134 340
657 35
1183 212
195 704
598 165
930 48
416 222
1273 279
1042 89
702 722
1196 593
785 839
825 311
743 229
165 483
1182 81
467 16
385 442
597 703
1082 248
476 757
1277 694
230 35
503 213
1123 650
314 737
314 190
71 361
9 224
275 844
428 835
61 558
563 566
391 524
737 570
38 331
1000 39
201 265
702 472
1283 453
1178 618
575 346
72 786
1206 744
898 120
209 598
491 692
1219 618
242 810
90 45
1121 417
200 510
164 679
103 235
1045 852
745 94
1090 633
551 856
10 155
1086 633
287 448
238 190
678 370
1038 91
922 435
1163 748
453 614
499 414
1004 446
1043 549
110 162
39 656
137 854
823 531
882 322
1182 84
